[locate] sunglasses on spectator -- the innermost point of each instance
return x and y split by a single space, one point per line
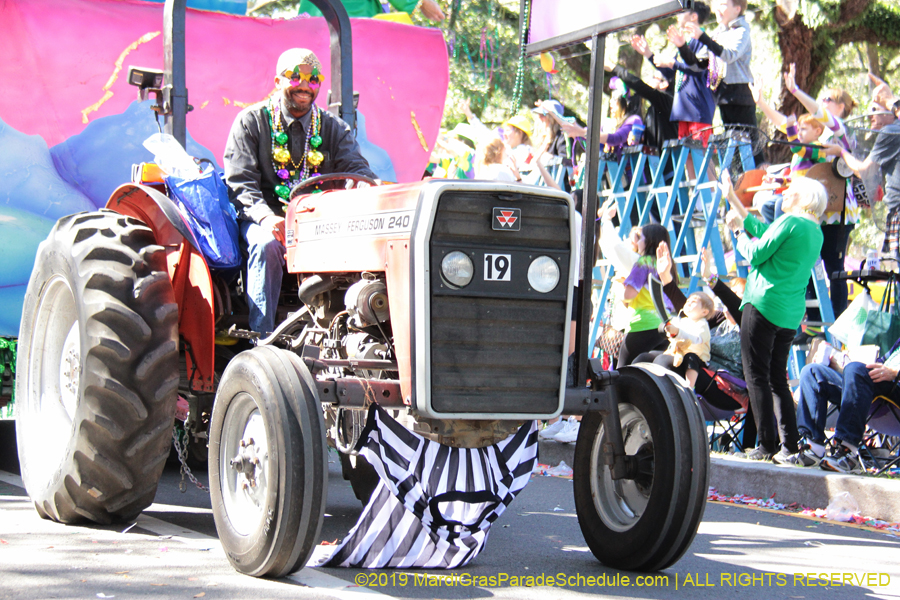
313 81
830 99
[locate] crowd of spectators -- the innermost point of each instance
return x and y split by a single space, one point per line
711 72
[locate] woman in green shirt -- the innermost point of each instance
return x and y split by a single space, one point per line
782 256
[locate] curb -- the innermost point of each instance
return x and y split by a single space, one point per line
812 487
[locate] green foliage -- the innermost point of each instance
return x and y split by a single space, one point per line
483 42
819 13
867 235
882 19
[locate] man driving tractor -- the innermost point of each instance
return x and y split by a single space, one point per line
272 147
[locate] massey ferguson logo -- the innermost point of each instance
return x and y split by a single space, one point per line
507 219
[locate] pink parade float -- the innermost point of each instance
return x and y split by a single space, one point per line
71 126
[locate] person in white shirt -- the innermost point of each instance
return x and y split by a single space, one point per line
491 162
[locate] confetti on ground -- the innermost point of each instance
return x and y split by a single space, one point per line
548 471
796 510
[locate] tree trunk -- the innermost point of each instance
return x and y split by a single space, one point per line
795 41
872 55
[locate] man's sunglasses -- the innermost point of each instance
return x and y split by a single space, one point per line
295 77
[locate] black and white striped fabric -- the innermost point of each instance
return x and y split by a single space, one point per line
434 505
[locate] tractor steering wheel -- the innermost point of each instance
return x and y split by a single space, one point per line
352 181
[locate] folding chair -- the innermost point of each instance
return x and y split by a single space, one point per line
881 445
731 421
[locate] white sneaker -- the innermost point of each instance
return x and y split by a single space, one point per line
569 433
549 431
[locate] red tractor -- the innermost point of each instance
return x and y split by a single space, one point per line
446 302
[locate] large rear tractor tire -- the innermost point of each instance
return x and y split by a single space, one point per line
648 522
268 469
97 372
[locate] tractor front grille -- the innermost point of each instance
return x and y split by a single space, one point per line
497 347
496 355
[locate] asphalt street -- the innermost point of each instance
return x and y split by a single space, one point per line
172 552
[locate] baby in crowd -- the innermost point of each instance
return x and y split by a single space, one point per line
689 335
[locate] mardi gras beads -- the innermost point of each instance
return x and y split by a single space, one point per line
281 155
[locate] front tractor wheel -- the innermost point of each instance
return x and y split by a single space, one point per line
267 462
647 521
97 370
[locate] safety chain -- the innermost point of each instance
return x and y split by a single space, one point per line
185 469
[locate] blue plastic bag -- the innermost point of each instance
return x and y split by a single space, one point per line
211 216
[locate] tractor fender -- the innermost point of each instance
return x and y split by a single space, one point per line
188 271
131 197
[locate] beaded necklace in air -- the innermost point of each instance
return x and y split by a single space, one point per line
716 72
292 173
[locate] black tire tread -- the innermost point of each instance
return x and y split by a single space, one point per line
660 538
123 421
285 393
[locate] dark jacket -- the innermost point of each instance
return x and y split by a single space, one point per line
658 126
249 171
694 101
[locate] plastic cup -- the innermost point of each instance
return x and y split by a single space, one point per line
637 132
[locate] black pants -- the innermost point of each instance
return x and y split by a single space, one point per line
638 342
742 114
765 348
834 247
738 114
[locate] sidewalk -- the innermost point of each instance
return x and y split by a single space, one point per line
812 487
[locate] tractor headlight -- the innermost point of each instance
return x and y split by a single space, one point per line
543 274
457 269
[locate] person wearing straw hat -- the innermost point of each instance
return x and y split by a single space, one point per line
273 146
517 136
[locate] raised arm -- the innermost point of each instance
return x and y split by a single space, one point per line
790 82
664 271
773 115
677 38
731 45
757 251
727 188
637 86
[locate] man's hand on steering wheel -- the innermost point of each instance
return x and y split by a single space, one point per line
352 180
